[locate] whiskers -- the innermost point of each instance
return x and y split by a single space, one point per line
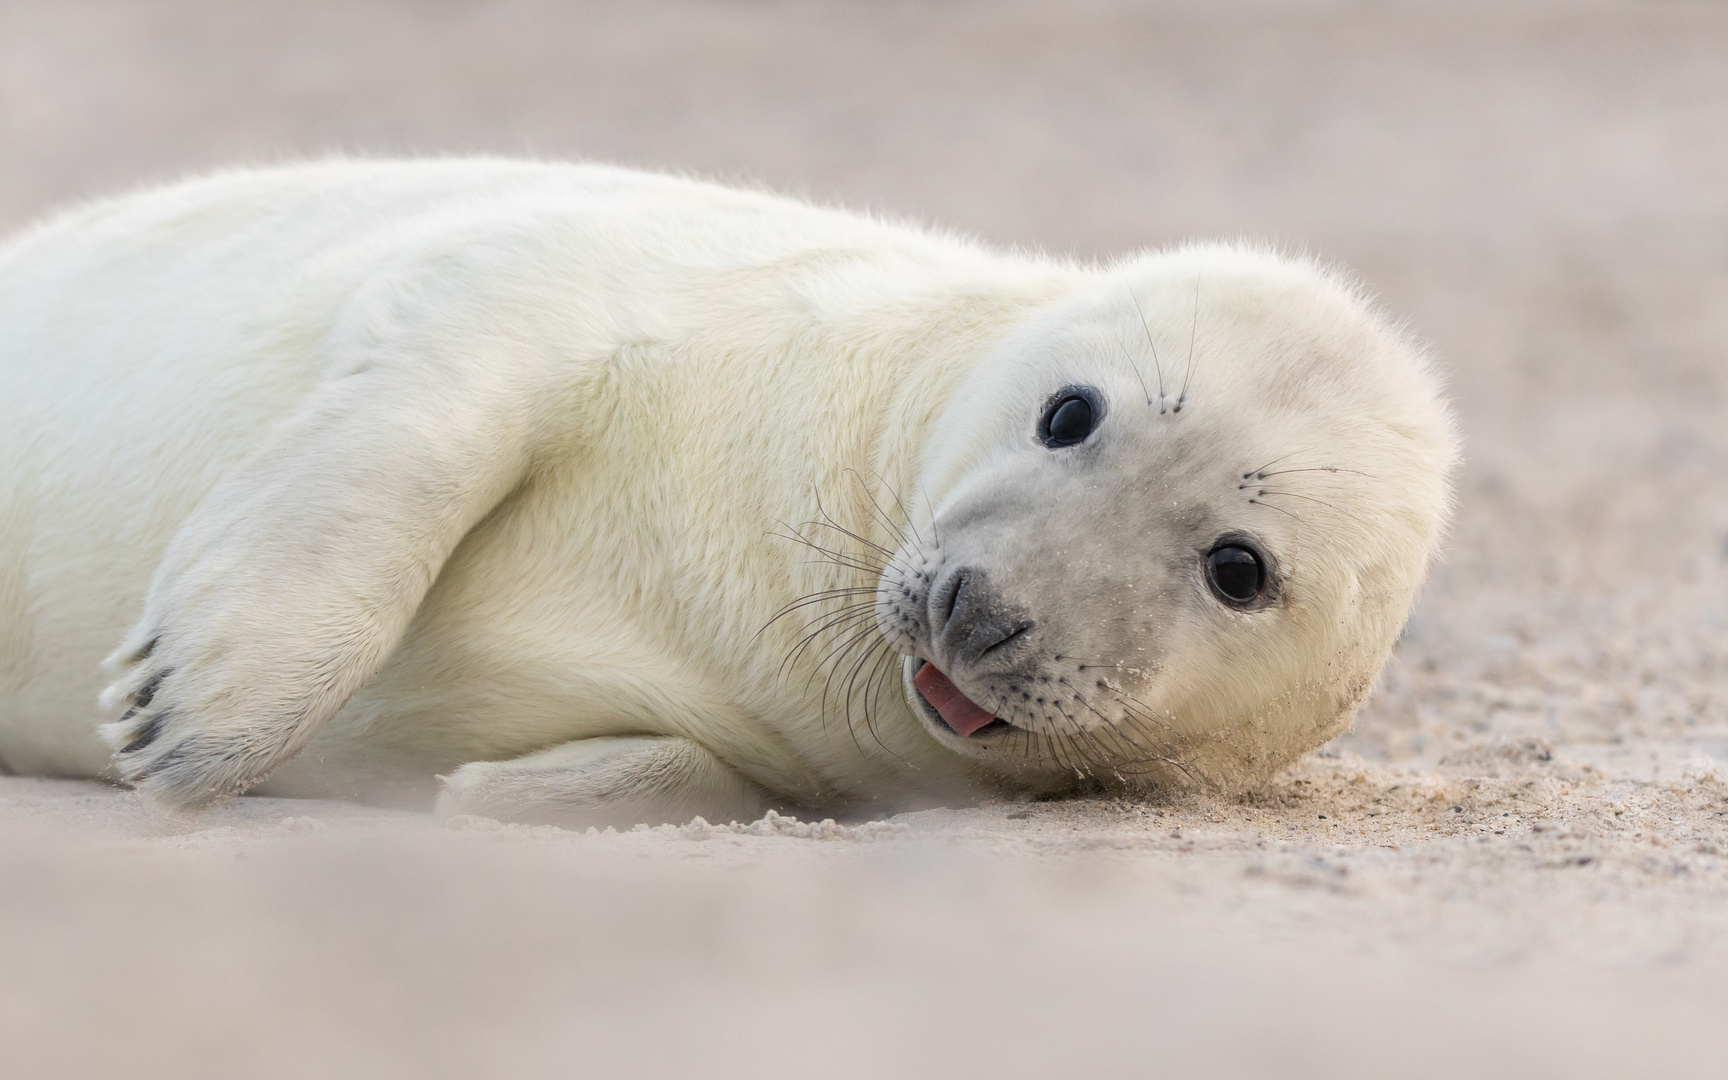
1165 403
845 658
840 640
1134 742
1260 483
1193 335
1158 365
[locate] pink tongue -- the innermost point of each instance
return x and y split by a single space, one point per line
956 708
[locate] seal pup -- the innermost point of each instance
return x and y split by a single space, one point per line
571 493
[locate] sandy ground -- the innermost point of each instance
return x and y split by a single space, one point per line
1516 864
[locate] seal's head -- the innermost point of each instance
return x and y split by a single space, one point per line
1176 524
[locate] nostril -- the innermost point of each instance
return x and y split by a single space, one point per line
970 620
1011 636
950 599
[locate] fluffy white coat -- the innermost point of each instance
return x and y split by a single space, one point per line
376 472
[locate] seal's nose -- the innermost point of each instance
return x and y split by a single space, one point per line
973 620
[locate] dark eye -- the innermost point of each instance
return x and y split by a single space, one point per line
1236 573
1067 420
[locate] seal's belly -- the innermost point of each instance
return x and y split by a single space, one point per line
490 670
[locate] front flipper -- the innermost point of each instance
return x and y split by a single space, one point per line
294 579
621 781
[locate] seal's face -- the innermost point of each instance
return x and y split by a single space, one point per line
1176 527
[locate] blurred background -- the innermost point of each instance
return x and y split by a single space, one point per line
1539 189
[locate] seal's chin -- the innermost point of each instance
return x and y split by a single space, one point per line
942 704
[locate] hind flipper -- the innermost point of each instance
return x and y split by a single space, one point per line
618 781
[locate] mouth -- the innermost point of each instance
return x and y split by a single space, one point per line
965 717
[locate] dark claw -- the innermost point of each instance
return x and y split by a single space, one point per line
147 692
152 728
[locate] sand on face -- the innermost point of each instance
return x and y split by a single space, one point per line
1517 862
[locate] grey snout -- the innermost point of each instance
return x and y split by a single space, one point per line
973 623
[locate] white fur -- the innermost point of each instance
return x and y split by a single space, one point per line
376 470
